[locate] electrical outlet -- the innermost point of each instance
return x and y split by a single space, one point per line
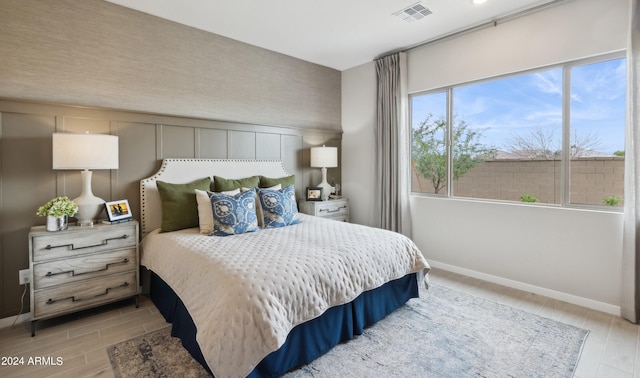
24 276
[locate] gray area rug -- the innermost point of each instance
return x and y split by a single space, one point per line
445 333
155 354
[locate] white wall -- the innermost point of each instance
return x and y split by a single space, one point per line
358 141
569 254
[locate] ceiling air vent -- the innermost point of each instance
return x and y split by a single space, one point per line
413 12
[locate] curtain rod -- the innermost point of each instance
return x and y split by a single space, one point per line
484 25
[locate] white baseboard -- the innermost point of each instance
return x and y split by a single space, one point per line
8 322
569 298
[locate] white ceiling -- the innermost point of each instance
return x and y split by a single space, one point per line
335 33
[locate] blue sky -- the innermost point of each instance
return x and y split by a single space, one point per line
518 105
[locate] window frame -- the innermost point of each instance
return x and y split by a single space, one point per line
565 165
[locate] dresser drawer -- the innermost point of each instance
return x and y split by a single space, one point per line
58 272
59 245
338 217
332 208
79 295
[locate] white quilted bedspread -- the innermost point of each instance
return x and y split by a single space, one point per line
246 292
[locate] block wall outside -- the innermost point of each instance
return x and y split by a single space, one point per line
591 180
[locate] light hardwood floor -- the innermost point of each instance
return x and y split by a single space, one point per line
81 340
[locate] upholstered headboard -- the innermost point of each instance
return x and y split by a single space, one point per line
181 171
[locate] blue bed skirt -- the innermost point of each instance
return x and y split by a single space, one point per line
306 341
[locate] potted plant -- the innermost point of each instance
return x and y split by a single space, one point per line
58 211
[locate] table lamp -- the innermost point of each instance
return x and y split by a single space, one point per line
324 157
85 152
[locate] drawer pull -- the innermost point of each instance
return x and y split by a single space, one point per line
74 274
73 298
333 211
73 248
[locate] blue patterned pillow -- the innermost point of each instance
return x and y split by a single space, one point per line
279 207
233 214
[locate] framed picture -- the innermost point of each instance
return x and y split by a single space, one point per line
118 210
314 193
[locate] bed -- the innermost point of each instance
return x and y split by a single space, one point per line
264 302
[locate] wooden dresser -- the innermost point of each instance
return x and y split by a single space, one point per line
336 209
82 267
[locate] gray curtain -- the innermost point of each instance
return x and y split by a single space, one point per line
631 242
393 151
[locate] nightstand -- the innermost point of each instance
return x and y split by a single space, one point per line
82 267
336 209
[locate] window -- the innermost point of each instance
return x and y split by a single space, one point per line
429 146
553 136
598 116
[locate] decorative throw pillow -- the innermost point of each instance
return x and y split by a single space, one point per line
279 207
266 182
221 184
205 215
259 212
179 205
233 215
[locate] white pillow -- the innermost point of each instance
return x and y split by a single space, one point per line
205 214
275 187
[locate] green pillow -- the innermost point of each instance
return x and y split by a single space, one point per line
222 184
266 182
179 206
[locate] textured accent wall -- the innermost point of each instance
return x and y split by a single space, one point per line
91 52
27 179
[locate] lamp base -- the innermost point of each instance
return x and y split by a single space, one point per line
89 206
88 212
327 189
87 224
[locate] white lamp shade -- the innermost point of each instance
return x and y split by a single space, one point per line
324 157
85 151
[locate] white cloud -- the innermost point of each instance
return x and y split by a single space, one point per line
548 82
